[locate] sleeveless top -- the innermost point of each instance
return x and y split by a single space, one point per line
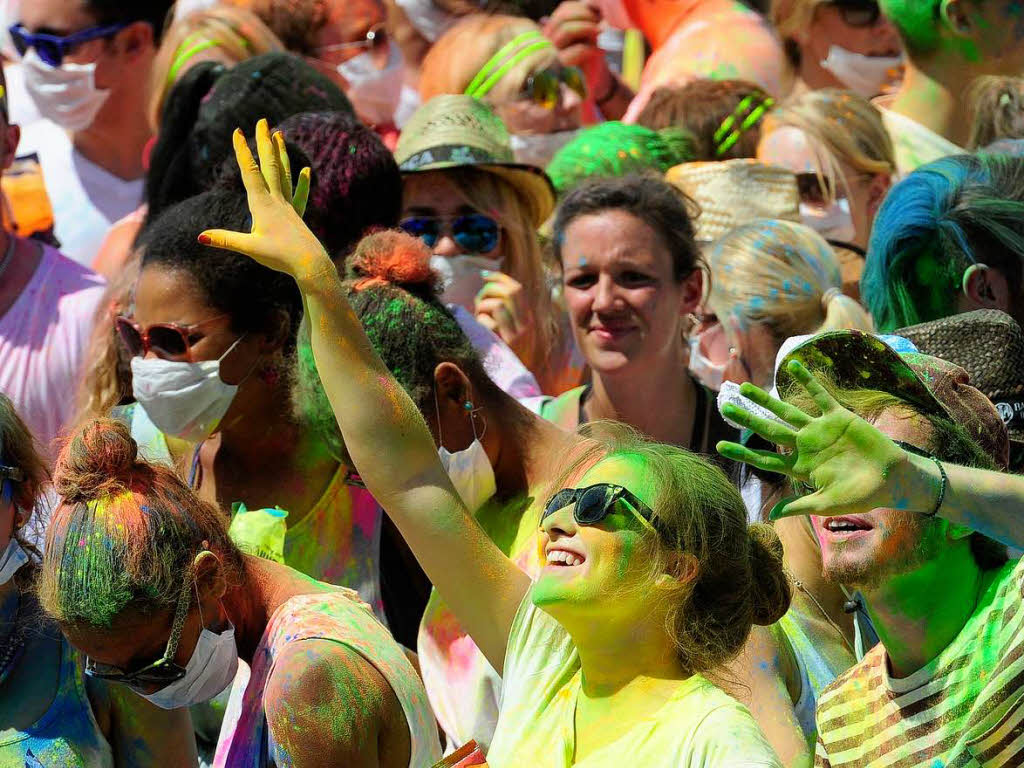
338 541
67 735
338 616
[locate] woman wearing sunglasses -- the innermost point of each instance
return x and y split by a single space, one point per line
651 575
847 44
142 578
478 210
211 336
51 714
507 62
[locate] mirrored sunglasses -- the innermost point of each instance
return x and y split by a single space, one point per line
474 233
544 87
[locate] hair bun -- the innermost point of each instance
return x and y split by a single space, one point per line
772 591
391 256
97 461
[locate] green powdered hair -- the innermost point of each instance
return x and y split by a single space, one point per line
917 20
616 149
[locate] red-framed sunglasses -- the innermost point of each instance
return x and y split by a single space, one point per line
165 339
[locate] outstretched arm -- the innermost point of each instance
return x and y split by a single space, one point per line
385 434
853 467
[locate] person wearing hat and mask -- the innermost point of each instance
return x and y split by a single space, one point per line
478 209
989 345
872 437
86 67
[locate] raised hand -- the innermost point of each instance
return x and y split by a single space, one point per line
851 466
279 239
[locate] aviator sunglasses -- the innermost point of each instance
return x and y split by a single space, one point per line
53 48
857 13
544 87
594 503
474 232
161 672
167 340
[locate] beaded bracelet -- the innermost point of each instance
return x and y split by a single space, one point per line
943 477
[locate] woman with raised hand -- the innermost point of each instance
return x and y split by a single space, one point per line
142 577
652 575
52 714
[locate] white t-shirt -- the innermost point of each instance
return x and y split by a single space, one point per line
43 338
86 199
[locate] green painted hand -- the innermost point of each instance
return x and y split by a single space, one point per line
850 464
279 239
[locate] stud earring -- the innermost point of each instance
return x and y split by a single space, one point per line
468 405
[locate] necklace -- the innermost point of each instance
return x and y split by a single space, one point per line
15 644
820 607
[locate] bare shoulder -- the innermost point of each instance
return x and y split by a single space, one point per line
326 704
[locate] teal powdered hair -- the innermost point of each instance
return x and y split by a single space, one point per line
615 149
917 21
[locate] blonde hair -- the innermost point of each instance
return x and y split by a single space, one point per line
462 51
789 17
235 32
841 128
782 275
996 104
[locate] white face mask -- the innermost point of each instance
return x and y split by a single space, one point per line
471 473
538 148
706 372
462 277
833 222
427 18
11 560
374 93
184 400
210 670
865 75
67 94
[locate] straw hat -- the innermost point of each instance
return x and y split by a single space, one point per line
736 192
457 131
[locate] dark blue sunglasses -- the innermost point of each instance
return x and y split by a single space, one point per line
474 232
53 48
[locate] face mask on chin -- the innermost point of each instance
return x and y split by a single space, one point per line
375 93
462 277
67 95
184 400
832 222
864 75
706 372
469 470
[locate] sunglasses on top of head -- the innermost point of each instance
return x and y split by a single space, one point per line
544 87
473 232
53 48
857 13
594 503
167 340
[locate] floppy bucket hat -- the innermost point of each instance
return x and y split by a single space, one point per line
736 192
989 345
934 385
458 131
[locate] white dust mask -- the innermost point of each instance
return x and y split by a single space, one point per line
706 372
184 400
67 94
832 222
11 560
427 18
210 670
374 92
469 470
865 75
462 277
538 148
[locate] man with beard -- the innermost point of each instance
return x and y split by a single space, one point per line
943 687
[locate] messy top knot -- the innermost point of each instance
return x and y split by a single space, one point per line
99 460
125 535
394 257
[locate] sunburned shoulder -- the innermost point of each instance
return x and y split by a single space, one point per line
326 704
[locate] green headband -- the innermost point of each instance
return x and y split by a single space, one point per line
726 140
185 53
507 57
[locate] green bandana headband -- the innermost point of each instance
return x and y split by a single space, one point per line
726 140
507 57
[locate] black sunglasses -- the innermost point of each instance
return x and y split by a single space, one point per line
161 672
594 503
857 13
474 232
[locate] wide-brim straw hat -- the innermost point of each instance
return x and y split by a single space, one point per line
458 131
989 345
732 193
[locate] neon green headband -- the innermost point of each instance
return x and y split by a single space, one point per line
186 52
726 140
507 57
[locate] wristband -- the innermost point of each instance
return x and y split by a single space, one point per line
611 91
943 477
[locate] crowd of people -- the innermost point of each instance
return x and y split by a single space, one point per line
434 384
